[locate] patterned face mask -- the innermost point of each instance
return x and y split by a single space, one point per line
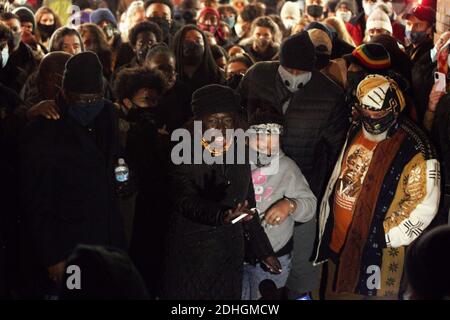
378 126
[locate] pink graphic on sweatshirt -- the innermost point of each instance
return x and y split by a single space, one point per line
261 192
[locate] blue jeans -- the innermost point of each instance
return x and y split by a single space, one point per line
253 275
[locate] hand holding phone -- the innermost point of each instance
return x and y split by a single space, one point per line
440 81
238 213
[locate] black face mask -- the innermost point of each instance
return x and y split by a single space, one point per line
46 31
141 54
85 113
315 11
192 52
163 25
234 81
377 126
148 116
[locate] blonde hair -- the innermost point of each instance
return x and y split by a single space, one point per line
134 7
300 26
339 25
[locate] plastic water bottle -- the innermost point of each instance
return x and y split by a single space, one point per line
121 171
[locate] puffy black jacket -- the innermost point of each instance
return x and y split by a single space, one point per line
316 119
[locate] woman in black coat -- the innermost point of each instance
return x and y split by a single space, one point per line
205 249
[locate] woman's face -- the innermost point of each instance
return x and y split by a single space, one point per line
145 98
209 19
71 44
236 68
194 36
89 41
265 143
165 64
47 19
144 41
377 31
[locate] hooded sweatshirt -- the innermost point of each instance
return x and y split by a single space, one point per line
282 179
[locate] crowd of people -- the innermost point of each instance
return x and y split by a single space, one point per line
349 98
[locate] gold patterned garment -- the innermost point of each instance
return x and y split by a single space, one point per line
410 191
407 217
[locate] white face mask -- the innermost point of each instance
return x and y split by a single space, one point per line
293 83
344 15
368 7
5 56
289 23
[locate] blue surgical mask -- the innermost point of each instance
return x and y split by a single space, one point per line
416 37
85 113
231 21
293 82
5 56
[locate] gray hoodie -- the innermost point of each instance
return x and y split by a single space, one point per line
282 179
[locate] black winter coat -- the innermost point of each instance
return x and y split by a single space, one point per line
421 76
68 185
315 123
147 155
441 138
205 257
10 125
175 106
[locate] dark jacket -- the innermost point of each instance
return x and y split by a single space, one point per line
200 79
68 185
13 77
421 75
24 59
10 125
205 257
315 122
175 106
147 154
441 138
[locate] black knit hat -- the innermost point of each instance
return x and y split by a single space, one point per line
215 98
83 74
297 52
